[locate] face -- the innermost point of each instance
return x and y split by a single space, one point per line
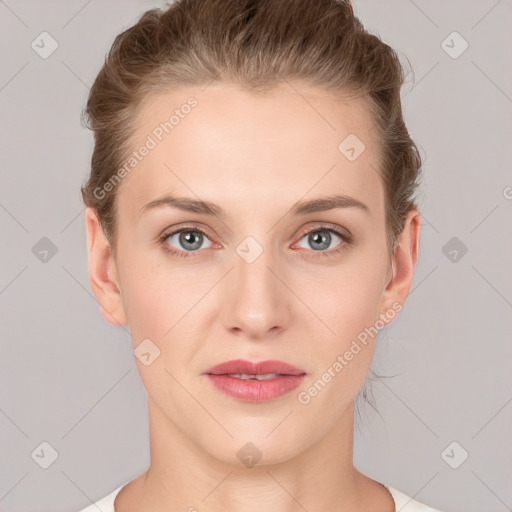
270 274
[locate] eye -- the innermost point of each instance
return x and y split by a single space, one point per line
186 240
322 238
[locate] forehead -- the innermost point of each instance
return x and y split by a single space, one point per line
279 145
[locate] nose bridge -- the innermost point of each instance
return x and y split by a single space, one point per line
257 299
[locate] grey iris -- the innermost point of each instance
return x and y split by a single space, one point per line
187 237
317 238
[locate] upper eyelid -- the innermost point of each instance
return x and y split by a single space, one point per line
342 233
172 231
323 227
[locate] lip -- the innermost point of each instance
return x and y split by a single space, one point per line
261 368
252 390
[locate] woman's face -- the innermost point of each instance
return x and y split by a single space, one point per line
256 285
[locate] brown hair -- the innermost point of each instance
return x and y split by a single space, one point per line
257 44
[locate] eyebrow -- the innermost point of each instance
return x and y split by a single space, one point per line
189 204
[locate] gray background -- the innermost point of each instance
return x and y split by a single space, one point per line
68 378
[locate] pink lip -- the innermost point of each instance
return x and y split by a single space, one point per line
253 390
261 368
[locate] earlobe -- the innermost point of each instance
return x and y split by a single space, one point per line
102 272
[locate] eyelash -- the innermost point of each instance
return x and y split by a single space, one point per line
326 227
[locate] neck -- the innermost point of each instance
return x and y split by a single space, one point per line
183 474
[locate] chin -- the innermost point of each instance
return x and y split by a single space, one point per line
260 449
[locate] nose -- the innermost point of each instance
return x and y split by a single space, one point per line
257 301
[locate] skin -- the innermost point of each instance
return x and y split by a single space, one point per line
255 156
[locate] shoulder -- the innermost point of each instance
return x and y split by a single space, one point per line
105 504
405 503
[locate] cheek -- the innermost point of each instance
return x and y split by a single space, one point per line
147 294
348 306
154 304
347 299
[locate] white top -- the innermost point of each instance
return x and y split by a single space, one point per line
403 503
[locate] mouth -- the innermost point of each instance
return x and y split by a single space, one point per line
245 376
255 382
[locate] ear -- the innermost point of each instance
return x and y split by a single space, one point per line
103 271
403 263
